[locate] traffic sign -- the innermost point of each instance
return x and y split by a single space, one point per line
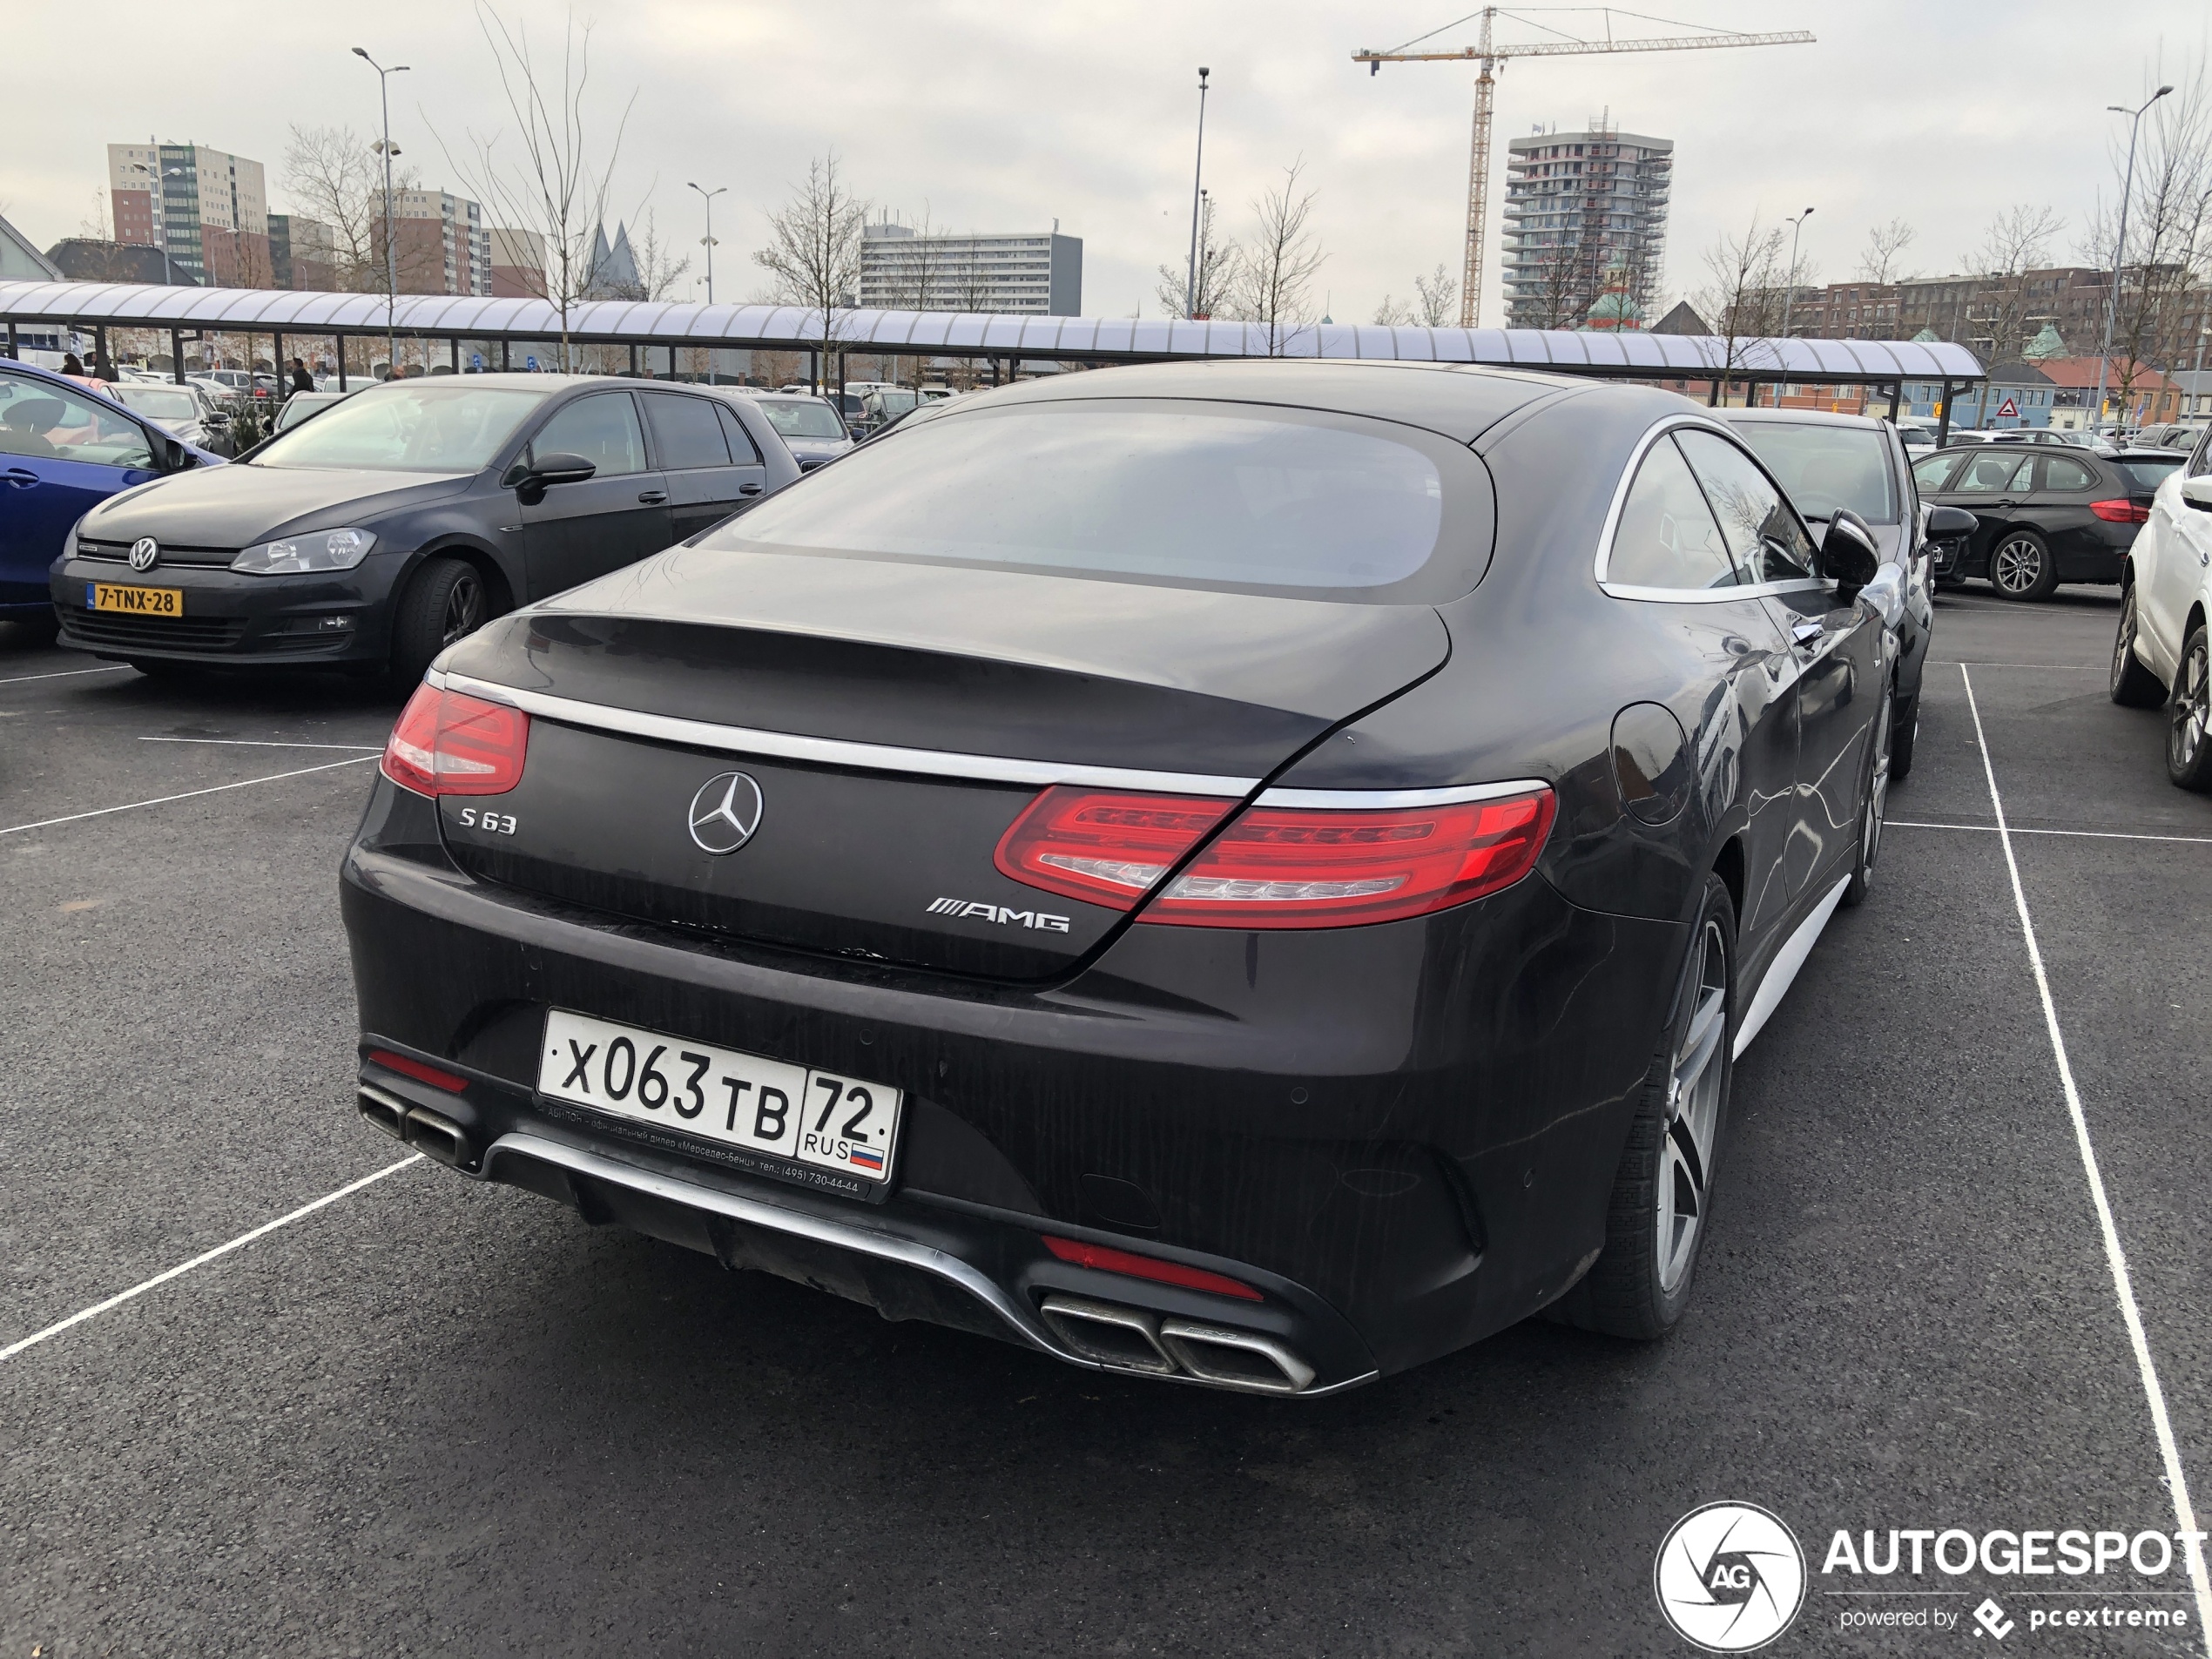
2008 410
531 363
476 360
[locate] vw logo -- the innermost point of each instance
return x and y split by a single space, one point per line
146 553
725 813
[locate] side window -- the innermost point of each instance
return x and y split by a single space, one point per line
742 450
45 422
1997 472
2200 463
1762 531
2062 472
1930 475
602 428
685 432
1667 537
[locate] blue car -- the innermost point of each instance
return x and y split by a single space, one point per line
63 449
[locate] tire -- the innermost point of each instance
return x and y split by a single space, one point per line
2132 686
1904 736
1873 800
2021 566
2188 717
1655 1224
447 600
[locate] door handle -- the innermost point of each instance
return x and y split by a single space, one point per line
652 497
748 490
1805 633
21 478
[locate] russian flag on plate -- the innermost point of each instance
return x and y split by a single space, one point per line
868 1157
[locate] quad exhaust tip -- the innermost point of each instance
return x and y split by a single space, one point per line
432 1134
1132 1339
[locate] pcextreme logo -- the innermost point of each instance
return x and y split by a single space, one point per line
1730 1577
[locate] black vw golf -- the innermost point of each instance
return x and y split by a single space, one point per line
375 533
1253 873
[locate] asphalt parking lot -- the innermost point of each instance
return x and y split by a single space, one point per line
430 1416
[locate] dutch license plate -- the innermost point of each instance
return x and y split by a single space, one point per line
137 602
808 1116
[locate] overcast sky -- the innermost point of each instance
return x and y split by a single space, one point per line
1003 116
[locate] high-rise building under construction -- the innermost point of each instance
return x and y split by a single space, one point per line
1585 219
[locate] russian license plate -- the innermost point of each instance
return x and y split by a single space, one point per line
807 1116
140 602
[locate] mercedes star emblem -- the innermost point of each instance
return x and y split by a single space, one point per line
725 813
146 553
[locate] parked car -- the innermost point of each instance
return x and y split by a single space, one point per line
374 534
886 404
2042 517
63 451
183 411
807 424
1827 462
2178 435
300 405
1253 873
2159 653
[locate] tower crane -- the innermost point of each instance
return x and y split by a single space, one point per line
1491 57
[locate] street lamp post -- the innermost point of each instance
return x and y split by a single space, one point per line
1190 278
1790 292
2196 380
2120 246
707 241
391 248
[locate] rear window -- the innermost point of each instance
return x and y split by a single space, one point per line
2148 473
1167 492
807 420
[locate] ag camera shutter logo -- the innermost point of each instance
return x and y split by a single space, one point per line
1729 1578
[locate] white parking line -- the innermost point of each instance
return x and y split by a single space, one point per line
265 743
2115 1257
202 1259
2061 668
163 800
67 673
2098 835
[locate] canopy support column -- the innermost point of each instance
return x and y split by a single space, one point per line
633 360
454 345
13 350
341 361
177 356
1943 417
506 361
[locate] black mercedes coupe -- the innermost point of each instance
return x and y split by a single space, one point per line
1250 874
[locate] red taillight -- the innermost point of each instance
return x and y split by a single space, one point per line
1273 866
417 1071
1107 849
1151 1267
2121 512
447 743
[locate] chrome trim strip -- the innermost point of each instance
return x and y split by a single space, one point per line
1781 972
1711 596
837 752
1371 801
861 1240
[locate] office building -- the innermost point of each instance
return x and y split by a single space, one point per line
208 207
1584 213
1037 272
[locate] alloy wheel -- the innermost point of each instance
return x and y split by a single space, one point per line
2192 708
1694 1088
2016 565
2123 646
464 609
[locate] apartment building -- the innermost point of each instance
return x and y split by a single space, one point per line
439 243
517 264
1584 213
208 208
1038 274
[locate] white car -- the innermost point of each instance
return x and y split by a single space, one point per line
2166 599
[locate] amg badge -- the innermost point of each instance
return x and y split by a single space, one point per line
1000 913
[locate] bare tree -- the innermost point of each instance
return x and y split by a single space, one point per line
548 180
1743 295
814 250
1439 297
2005 300
1882 261
658 273
1219 263
920 283
1394 313
1276 275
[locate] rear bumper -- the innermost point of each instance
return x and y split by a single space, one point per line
1402 1136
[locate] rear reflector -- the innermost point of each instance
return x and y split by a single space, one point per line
1151 1267
417 1069
447 743
1273 866
2121 512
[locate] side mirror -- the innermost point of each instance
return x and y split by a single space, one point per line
529 477
1949 524
174 456
2197 492
1848 554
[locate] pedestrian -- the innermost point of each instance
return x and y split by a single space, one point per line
72 364
301 380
